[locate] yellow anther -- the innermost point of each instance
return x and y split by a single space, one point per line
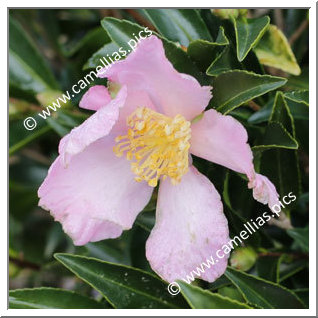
157 145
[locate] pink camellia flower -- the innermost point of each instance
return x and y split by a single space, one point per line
108 167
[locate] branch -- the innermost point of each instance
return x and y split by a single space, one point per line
23 264
298 32
294 255
254 106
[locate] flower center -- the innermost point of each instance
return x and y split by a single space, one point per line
156 144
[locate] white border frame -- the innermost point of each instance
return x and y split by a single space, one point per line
163 312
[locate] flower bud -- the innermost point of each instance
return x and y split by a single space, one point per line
243 258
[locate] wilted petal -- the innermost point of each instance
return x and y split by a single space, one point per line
96 126
190 228
96 97
263 190
96 196
149 70
223 140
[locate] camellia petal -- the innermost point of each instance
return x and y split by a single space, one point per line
96 97
96 126
263 190
96 196
134 99
148 69
223 140
190 228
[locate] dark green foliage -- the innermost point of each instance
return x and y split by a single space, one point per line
255 76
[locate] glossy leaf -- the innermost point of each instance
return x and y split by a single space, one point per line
281 165
199 298
27 68
98 58
299 82
93 38
303 294
287 270
232 293
54 298
179 25
244 87
297 104
263 114
299 110
276 136
122 286
203 52
268 267
225 61
146 220
301 237
273 50
298 96
248 32
20 137
220 283
65 121
262 293
114 251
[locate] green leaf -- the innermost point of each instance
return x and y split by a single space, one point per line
179 25
121 31
98 57
20 137
225 61
276 136
244 86
273 50
298 96
203 52
199 298
268 267
235 219
65 121
220 283
263 114
54 298
146 220
114 251
281 165
95 38
288 270
303 294
301 237
231 292
23 76
296 101
27 68
299 82
55 236
122 286
299 110
247 33
262 293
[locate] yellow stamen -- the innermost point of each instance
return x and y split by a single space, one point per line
157 145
